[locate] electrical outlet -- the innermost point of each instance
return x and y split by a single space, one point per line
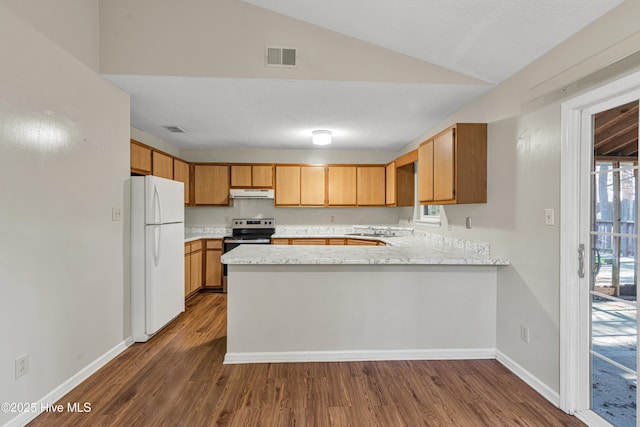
549 217
116 214
467 222
22 365
524 334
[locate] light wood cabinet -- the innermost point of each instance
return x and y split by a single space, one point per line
359 242
252 176
192 267
212 264
211 185
140 158
370 188
312 185
181 173
162 165
308 241
279 241
452 166
300 185
287 191
400 184
336 241
341 186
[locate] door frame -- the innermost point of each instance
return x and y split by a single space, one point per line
574 335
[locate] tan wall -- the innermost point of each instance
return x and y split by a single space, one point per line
64 161
72 24
227 38
524 179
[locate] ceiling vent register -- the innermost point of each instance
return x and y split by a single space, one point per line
280 56
174 129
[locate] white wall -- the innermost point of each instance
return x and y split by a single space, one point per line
72 24
524 179
64 159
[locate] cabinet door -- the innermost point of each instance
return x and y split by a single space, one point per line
279 241
287 186
405 184
312 186
213 269
262 176
211 185
371 185
196 271
309 241
444 167
162 165
181 173
241 176
140 159
187 274
342 185
425 172
358 242
336 242
390 184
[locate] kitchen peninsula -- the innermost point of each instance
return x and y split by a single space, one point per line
421 296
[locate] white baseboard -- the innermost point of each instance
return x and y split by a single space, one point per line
360 355
526 376
64 388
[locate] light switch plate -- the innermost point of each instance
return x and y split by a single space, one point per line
549 217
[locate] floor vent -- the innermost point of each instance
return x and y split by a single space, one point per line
280 56
174 129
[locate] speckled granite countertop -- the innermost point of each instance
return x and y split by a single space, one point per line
404 246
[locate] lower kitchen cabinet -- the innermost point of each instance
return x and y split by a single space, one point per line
335 241
192 267
212 264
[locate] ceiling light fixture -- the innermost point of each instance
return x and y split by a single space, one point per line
321 137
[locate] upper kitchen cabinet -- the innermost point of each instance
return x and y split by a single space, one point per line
370 188
452 166
251 176
341 185
287 185
181 173
162 165
211 184
140 158
400 182
312 185
300 185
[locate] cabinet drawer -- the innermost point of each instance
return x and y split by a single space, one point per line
196 246
338 242
309 241
214 244
279 241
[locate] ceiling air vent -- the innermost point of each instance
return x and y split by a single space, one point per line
174 129
280 56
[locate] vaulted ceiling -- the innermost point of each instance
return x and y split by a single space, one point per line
616 131
374 72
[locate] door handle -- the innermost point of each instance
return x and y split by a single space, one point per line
581 260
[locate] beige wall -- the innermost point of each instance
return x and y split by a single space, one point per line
227 38
64 159
72 24
524 179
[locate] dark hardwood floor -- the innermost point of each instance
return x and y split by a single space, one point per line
178 379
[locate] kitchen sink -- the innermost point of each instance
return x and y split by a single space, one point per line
367 234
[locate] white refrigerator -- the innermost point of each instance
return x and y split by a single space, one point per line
157 254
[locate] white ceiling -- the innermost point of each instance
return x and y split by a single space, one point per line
489 40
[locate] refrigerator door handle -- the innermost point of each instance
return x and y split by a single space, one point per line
156 201
157 234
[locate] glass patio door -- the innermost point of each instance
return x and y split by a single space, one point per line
613 267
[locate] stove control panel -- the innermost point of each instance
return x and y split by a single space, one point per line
253 223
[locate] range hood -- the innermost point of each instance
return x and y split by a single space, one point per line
250 193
